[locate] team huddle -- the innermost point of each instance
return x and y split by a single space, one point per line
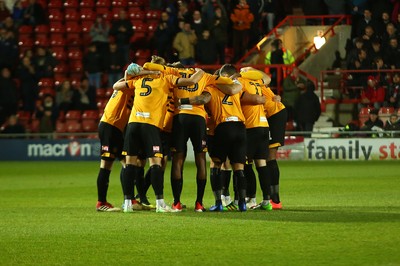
157 108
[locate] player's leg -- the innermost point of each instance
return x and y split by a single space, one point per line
226 172
274 173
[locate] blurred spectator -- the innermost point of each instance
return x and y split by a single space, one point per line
307 109
278 55
13 127
368 36
313 8
209 7
255 35
362 62
8 95
392 95
198 24
183 12
389 32
26 73
84 96
113 64
383 22
122 31
373 123
44 63
366 20
268 16
352 53
164 36
93 65
393 124
184 44
34 14
376 50
4 12
99 32
392 54
18 13
8 49
373 95
381 76
64 96
47 113
206 51
292 85
241 18
219 32
9 25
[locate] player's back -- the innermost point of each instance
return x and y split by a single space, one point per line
118 108
223 107
254 114
151 95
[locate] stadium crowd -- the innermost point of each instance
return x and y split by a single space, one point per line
69 50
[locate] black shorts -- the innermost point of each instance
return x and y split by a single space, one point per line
277 128
111 142
230 142
210 143
143 140
257 143
185 127
166 141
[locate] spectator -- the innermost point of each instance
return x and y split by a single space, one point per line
392 95
47 113
8 95
184 44
26 73
382 76
183 12
18 13
44 63
122 31
307 109
99 32
84 96
113 64
373 123
392 55
362 62
219 32
9 25
385 20
373 95
352 53
198 24
13 127
4 12
292 85
389 32
209 7
8 49
393 124
164 36
64 96
268 16
34 14
368 36
93 66
274 57
206 49
241 18
376 50
366 20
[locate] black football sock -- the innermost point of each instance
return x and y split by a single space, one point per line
157 180
128 180
215 180
140 184
201 186
103 179
176 185
241 184
226 180
251 181
275 174
147 181
235 189
265 183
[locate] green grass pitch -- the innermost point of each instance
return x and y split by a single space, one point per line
335 213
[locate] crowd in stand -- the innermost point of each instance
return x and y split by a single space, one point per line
192 31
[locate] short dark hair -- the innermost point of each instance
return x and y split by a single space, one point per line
228 69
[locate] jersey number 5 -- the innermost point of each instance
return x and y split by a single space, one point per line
145 86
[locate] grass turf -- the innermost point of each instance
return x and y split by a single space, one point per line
335 213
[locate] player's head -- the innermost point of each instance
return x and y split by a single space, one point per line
177 64
227 70
158 60
133 69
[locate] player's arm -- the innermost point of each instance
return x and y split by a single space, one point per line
230 89
251 99
192 80
126 81
201 99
